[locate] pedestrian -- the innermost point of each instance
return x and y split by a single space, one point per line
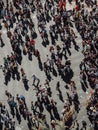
35 78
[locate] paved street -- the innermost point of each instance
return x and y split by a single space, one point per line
31 67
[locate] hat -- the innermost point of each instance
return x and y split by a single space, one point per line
94 110
53 121
91 108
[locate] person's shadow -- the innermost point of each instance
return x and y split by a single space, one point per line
18 117
60 96
30 56
45 42
67 76
7 78
60 93
83 87
18 76
76 47
40 64
19 59
26 86
69 98
54 72
49 77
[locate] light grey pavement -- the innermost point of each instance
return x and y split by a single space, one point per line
31 67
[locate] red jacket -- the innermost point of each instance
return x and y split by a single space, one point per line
62 4
32 42
77 8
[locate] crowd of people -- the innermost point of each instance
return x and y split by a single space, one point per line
92 108
16 18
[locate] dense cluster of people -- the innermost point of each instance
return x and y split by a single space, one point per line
92 108
16 18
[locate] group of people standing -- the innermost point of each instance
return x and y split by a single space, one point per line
16 18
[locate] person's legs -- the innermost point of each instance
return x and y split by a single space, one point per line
34 78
